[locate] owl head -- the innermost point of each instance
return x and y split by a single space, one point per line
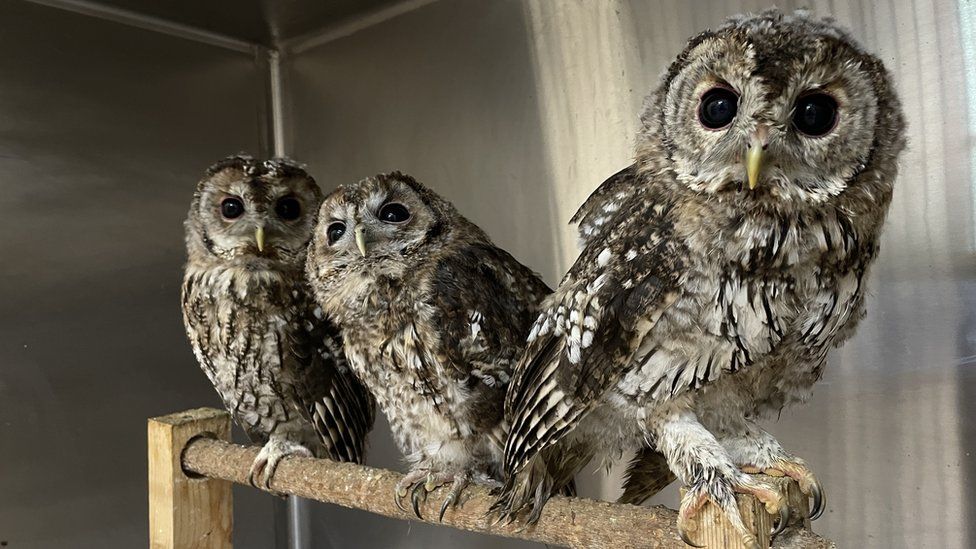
772 108
256 213
383 224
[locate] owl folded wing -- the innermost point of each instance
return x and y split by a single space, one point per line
482 329
339 407
587 332
592 218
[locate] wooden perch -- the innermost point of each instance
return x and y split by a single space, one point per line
573 522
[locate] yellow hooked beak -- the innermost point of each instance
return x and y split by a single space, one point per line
755 153
259 238
753 164
360 233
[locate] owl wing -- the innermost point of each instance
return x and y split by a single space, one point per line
482 328
588 330
593 216
339 407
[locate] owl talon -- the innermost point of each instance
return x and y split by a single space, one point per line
447 503
687 540
417 497
819 500
454 495
398 500
784 520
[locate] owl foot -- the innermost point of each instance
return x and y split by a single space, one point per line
409 483
797 470
422 482
267 461
458 483
721 491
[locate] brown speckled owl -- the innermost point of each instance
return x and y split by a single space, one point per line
717 271
433 317
273 358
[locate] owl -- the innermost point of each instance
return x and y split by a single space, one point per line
273 357
433 317
716 272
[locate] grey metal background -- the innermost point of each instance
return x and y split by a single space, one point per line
515 110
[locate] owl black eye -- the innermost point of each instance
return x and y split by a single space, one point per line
288 208
335 231
231 208
815 114
394 213
717 108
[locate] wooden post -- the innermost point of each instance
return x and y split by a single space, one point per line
187 512
714 529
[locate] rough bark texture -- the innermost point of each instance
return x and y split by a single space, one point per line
571 522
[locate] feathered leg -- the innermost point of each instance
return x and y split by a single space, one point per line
703 465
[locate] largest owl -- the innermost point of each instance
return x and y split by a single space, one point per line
433 318
273 357
717 271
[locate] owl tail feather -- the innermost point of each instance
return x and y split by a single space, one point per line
548 473
647 474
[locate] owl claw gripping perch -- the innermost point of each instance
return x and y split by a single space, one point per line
420 483
798 471
267 460
721 492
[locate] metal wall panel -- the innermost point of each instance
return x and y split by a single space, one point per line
517 109
104 131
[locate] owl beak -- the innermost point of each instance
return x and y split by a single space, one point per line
753 163
360 233
754 156
259 237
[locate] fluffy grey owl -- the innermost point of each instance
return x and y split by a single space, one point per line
717 271
273 358
433 318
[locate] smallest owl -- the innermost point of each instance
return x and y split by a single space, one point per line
273 358
433 318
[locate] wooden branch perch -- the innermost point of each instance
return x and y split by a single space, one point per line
573 522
